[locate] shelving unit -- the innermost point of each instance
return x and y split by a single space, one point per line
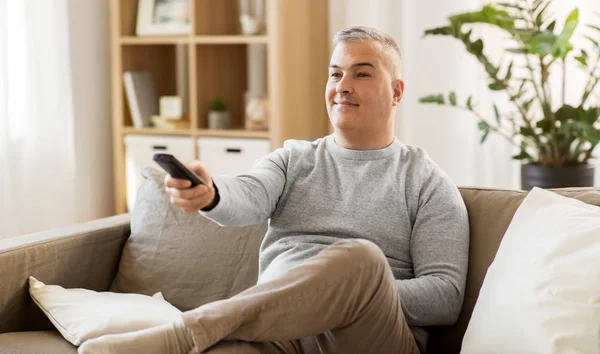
215 56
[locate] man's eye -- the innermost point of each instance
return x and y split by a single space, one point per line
363 75
336 75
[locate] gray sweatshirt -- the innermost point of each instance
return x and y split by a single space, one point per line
316 193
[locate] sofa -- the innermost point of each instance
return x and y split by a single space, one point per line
88 256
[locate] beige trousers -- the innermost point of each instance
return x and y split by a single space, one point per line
343 300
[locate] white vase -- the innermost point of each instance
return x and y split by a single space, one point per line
252 16
218 120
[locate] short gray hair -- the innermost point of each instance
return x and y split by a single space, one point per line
363 33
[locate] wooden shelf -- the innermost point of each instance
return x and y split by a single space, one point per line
155 131
231 39
134 40
233 133
220 133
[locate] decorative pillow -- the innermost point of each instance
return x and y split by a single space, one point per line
193 259
81 314
541 294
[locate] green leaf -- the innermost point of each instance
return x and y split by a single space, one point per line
509 18
591 133
520 91
509 71
527 104
485 129
566 112
594 27
490 68
466 36
536 4
452 98
488 14
523 33
550 26
581 59
439 99
523 155
469 103
218 104
540 18
495 86
496 113
476 47
517 50
523 82
594 41
567 128
591 115
484 136
512 6
542 43
444 31
545 125
561 45
526 131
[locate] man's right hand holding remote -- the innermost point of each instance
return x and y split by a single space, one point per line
203 196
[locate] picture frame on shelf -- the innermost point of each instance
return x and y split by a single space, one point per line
163 18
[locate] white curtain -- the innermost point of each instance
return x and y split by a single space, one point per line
440 65
37 155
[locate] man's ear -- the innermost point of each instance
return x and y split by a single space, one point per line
398 87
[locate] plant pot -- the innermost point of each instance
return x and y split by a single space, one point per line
218 120
556 177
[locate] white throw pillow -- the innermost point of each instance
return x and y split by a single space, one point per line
81 314
541 294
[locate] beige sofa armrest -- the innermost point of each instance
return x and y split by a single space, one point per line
80 256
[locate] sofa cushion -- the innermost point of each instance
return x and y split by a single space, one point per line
545 278
188 257
82 314
47 342
490 213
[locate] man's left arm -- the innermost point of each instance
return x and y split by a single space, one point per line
439 248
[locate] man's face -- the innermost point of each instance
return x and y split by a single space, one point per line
360 92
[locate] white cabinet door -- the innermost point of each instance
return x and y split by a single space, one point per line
139 150
231 157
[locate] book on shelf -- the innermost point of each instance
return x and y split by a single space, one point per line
141 97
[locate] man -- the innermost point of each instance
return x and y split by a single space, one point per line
367 240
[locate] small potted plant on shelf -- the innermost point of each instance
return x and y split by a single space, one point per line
218 116
555 139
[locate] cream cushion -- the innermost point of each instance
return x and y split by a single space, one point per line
81 314
541 294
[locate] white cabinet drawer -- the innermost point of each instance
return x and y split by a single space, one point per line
232 157
139 150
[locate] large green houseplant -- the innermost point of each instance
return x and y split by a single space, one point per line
555 139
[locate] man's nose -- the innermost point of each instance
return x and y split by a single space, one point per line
344 85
